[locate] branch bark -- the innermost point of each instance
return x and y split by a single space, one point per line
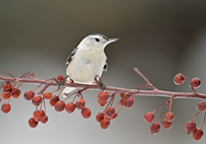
154 92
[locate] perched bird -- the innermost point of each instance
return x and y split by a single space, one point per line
87 60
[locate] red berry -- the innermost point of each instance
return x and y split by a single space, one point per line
100 117
154 128
104 124
179 79
80 103
32 123
70 107
106 118
59 106
47 95
195 82
109 112
60 78
6 107
190 127
128 102
86 113
15 93
39 115
103 96
201 106
197 134
37 99
102 103
166 124
6 95
169 117
28 95
121 95
114 116
54 100
7 86
45 119
149 117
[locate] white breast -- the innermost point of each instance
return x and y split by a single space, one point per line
86 65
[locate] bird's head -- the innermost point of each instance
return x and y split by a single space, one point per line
96 41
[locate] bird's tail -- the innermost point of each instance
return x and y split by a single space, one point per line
67 91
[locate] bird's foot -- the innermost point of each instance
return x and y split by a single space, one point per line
99 82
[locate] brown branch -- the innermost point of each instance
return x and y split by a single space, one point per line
155 92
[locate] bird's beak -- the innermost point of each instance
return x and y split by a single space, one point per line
111 40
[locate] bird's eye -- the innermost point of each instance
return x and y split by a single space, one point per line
97 40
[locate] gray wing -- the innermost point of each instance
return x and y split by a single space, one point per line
69 59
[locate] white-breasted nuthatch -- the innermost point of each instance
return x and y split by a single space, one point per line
87 60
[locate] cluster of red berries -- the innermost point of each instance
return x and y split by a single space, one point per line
169 117
59 105
109 113
194 83
104 99
166 123
191 125
9 91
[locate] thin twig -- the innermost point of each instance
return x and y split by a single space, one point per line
155 92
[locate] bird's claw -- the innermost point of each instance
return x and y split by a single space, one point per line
99 82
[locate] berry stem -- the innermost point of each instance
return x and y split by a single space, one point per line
203 121
162 113
195 116
159 106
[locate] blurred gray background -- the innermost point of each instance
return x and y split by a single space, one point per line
161 38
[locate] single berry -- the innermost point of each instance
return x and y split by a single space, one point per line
195 82
109 112
100 117
32 123
179 79
60 78
86 113
15 93
6 107
166 124
103 96
39 115
70 107
28 95
154 128
169 117
47 95
54 100
128 102
197 134
190 127
102 103
6 95
7 86
37 99
59 106
80 103
149 117
45 119
201 106
104 124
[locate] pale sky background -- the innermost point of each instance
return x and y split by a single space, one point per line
161 38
